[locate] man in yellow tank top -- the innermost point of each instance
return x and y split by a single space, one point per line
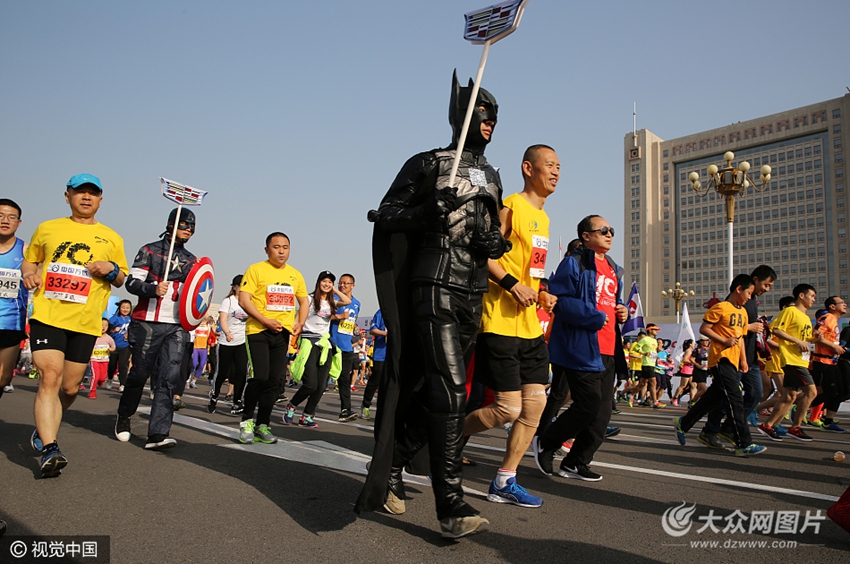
511 356
81 259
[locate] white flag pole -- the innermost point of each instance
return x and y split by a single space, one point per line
468 117
171 246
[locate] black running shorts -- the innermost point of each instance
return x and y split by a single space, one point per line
797 377
76 346
504 364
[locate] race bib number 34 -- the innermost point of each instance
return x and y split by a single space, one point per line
280 298
10 282
67 282
539 249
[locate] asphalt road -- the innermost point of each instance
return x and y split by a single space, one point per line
211 499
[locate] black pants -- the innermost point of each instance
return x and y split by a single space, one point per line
844 379
372 384
588 416
725 391
558 392
349 361
186 368
446 324
119 360
233 367
267 355
157 354
212 359
314 380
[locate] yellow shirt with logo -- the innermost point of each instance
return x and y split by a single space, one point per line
274 292
69 298
526 261
797 324
635 357
728 320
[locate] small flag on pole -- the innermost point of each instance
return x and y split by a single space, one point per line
635 320
494 22
181 194
685 332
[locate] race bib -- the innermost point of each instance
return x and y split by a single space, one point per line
346 327
67 282
10 282
100 353
807 356
477 177
280 298
539 249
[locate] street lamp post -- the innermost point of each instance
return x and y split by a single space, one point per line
729 182
677 294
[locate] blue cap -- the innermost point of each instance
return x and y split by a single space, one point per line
79 179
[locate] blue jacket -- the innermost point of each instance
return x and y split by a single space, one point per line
574 342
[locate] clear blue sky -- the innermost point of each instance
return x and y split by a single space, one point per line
297 116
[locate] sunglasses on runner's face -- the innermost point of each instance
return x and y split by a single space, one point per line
603 231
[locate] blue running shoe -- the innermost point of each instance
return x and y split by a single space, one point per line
680 434
288 415
832 428
35 441
753 419
513 493
781 431
750 450
612 431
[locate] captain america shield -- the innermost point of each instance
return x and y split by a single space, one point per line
196 295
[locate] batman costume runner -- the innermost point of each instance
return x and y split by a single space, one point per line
430 248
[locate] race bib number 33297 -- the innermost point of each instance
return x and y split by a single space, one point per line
67 282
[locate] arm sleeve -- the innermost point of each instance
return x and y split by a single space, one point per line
570 306
119 257
136 281
34 252
401 208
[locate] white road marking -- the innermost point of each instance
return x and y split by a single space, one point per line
327 455
315 453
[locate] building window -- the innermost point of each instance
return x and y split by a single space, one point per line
836 113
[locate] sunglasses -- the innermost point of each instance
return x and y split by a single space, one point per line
603 231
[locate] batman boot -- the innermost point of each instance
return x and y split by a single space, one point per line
445 441
406 447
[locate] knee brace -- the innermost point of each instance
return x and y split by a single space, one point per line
505 409
533 404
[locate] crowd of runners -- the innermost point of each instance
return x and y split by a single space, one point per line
472 334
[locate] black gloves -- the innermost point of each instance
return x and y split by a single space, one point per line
440 206
491 243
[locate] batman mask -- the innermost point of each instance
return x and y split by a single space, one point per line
457 111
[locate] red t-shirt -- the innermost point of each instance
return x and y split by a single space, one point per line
606 302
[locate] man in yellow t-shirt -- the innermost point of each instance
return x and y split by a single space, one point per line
725 324
269 294
80 259
511 356
793 330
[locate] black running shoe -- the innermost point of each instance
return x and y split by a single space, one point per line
213 402
542 457
52 461
578 472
